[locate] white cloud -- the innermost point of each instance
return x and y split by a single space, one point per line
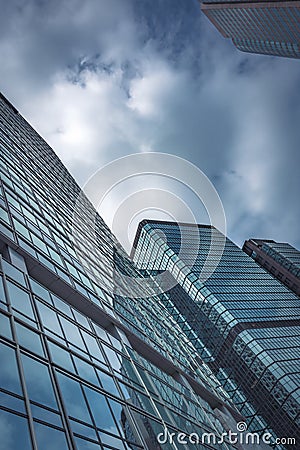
101 80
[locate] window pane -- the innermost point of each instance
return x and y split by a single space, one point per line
13 272
5 326
49 318
46 415
12 402
20 299
115 443
38 382
92 346
61 305
100 411
14 432
108 383
112 358
73 398
39 290
72 333
86 371
2 295
9 374
49 438
83 430
61 357
29 339
85 445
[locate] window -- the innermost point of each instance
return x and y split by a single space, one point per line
49 438
9 374
20 300
29 339
14 432
73 398
38 382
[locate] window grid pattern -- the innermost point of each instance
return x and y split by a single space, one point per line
239 296
259 28
72 384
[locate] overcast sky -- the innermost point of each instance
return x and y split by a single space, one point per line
101 79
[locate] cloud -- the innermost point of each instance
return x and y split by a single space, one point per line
101 79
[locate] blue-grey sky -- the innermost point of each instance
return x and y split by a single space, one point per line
100 79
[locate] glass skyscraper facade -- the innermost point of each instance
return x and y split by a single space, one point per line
281 259
244 323
266 27
86 363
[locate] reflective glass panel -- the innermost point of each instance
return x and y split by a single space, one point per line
14 432
38 382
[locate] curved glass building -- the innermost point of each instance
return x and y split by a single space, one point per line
243 322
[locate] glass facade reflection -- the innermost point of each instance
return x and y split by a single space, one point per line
82 366
266 27
244 323
280 259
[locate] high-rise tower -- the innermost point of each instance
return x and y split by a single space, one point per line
269 27
84 366
244 323
281 259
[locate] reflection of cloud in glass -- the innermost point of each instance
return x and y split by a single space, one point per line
86 371
14 432
73 398
6 431
38 382
49 318
108 383
49 438
100 410
85 445
9 376
72 333
112 357
20 299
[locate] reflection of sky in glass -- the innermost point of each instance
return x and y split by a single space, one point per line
61 356
84 445
29 339
9 376
73 398
112 357
86 371
5 326
92 346
83 430
72 333
108 383
14 432
112 441
49 318
49 438
2 295
20 299
46 415
12 402
100 410
38 382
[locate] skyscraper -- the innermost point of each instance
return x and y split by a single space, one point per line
268 27
281 259
83 365
244 323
